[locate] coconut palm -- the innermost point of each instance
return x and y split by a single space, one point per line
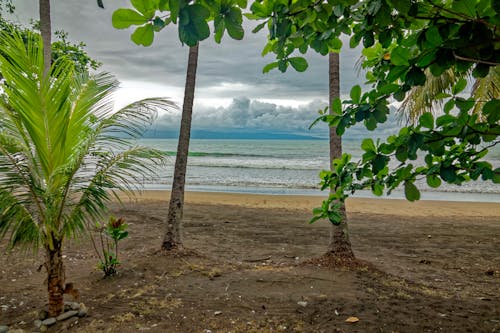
64 152
421 99
339 244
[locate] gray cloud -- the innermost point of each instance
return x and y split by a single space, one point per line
253 115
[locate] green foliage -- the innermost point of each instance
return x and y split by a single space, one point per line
64 152
192 18
109 237
405 43
61 47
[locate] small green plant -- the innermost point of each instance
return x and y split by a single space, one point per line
109 236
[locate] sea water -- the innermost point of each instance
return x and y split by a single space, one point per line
285 167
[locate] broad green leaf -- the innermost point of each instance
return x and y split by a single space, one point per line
400 56
259 27
433 181
368 145
411 191
427 120
459 86
378 189
143 35
433 37
466 7
415 77
298 63
356 94
145 7
123 18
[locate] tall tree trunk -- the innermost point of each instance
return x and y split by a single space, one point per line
46 32
173 237
339 243
55 279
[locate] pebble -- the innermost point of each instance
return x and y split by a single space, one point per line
302 304
4 329
71 306
37 323
49 321
67 315
83 311
42 314
43 329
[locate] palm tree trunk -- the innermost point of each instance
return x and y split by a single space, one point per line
173 237
339 243
46 32
55 279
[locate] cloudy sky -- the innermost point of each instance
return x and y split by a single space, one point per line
231 90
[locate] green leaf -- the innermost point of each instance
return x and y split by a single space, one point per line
174 10
466 7
378 189
459 86
415 77
145 7
411 191
448 106
402 6
298 63
337 106
491 110
356 94
433 37
124 18
465 104
400 56
433 181
270 66
259 27
427 120
143 35
193 26
368 145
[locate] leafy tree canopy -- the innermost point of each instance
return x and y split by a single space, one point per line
192 18
60 47
401 39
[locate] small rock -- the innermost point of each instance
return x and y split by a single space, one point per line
83 312
352 320
37 323
43 329
17 330
216 313
71 306
4 329
302 303
67 315
43 314
49 321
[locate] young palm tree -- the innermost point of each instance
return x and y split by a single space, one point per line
64 152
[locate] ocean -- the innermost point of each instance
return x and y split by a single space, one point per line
285 167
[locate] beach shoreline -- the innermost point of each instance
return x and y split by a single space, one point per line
383 206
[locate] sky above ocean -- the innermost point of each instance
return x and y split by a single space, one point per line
231 93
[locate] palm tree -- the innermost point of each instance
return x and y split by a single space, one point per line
339 244
64 152
421 99
173 236
46 32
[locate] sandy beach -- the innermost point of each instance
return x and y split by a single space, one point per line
354 205
432 266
